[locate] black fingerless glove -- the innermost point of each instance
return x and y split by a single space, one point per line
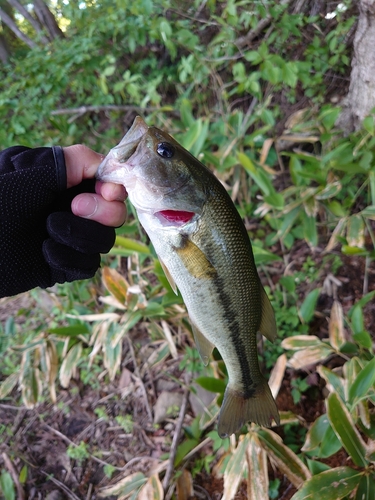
41 241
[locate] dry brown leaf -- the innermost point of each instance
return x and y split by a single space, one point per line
184 486
336 326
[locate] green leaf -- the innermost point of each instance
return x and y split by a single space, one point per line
276 200
310 232
263 256
187 117
7 486
132 245
211 384
328 485
369 125
307 308
334 382
184 448
355 231
70 331
8 384
192 135
316 467
369 212
344 427
358 324
321 441
259 176
23 474
366 488
363 339
363 382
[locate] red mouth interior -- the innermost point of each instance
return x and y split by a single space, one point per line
179 216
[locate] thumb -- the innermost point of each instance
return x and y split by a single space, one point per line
81 163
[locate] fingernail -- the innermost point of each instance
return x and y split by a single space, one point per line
86 206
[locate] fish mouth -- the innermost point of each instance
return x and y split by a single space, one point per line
114 167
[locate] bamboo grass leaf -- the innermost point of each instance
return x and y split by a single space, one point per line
286 460
344 427
69 364
257 482
233 474
152 490
328 485
125 486
363 382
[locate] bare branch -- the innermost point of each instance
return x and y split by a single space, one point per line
26 14
12 25
176 437
110 107
47 19
263 24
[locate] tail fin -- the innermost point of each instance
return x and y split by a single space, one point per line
236 410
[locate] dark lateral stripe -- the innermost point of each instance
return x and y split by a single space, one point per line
235 338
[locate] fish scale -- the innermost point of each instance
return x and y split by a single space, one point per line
206 253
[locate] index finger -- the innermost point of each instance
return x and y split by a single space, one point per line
81 163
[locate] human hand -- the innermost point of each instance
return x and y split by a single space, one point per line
106 205
55 219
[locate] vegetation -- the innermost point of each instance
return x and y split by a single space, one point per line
253 90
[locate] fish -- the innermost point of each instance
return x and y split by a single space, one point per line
206 253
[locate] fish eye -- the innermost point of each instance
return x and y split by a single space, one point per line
165 149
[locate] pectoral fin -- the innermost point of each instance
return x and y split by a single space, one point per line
169 277
195 261
268 323
204 346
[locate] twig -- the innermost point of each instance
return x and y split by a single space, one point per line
203 490
61 485
172 456
89 492
10 407
365 278
81 110
263 23
13 473
138 375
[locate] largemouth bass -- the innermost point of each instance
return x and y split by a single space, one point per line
205 251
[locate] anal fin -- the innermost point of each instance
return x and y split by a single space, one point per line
268 323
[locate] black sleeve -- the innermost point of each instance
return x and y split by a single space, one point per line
41 241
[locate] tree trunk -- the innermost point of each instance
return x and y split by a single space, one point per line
26 14
12 25
47 19
361 96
